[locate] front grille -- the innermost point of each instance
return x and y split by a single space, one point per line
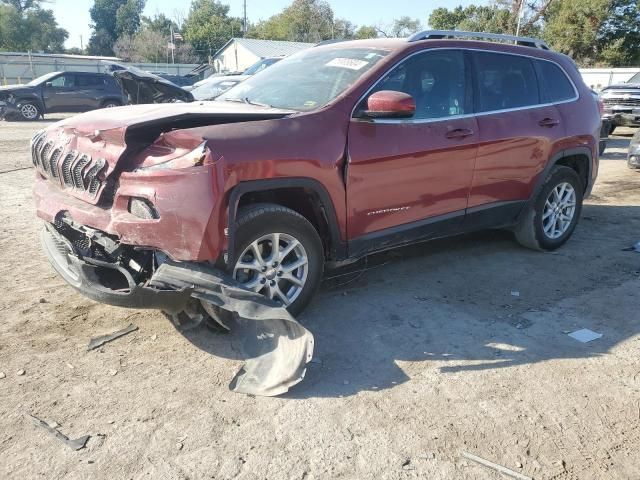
625 102
69 168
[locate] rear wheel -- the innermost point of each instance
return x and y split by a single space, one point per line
551 218
111 104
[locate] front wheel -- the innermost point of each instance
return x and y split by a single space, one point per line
29 111
551 218
278 254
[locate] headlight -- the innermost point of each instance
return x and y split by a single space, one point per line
194 158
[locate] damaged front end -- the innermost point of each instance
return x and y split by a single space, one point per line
100 267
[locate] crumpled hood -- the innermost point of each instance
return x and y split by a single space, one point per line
167 113
20 88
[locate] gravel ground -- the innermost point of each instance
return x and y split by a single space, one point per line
421 354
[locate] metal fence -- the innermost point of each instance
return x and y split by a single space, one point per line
24 67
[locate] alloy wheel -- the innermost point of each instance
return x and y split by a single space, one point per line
29 111
559 210
275 265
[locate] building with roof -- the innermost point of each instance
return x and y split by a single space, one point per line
240 53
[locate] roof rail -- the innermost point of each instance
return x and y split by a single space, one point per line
439 34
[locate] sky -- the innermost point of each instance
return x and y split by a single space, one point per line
73 15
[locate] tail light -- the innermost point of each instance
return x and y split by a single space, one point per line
600 107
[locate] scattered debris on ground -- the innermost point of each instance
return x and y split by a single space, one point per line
102 339
585 335
76 444
495 466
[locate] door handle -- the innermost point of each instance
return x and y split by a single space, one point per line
549 122
459 133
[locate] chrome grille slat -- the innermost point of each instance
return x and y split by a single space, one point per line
92 177
69 168
53 162
624 102
44 155
67 178
78 181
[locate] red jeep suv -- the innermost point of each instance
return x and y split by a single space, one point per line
339 151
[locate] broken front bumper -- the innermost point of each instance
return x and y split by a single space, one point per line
90 277
277 348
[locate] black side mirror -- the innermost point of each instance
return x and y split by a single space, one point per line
48 84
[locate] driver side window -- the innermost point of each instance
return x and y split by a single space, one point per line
435 79
63 81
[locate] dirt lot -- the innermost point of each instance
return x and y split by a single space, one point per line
423 356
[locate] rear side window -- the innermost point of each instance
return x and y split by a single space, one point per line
89 81
556 87
436 80
505 81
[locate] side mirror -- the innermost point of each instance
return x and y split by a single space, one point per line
48 84
390 104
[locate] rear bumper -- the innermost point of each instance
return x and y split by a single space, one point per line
83 274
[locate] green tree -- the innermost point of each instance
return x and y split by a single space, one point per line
302 21
111 19
343 29
31 28
619 34
208 26
159 23
474 18
366 32
573 26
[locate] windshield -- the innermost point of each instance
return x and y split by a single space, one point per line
42 79
212 89
634 79
307 80
260 65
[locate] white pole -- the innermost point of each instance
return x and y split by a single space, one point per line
520 15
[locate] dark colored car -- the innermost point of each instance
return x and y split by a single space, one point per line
60 92
329 155
622 103
633 158
141 87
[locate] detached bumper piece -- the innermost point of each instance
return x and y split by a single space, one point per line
276 346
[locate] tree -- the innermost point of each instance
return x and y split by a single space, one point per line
111 19
343 29
22 5
619 35
302 21
208 26
572 27
474 18
366 32
405 26
31 28
159 23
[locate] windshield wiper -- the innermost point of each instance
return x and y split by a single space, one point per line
247 101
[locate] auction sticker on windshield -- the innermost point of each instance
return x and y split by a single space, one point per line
350 63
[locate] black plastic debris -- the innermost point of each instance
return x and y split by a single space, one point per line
102 339
76 444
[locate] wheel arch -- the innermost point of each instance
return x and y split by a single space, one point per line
32 99
306 196
579 159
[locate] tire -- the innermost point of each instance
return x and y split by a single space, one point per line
111 104
259 223
537 229
29 111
